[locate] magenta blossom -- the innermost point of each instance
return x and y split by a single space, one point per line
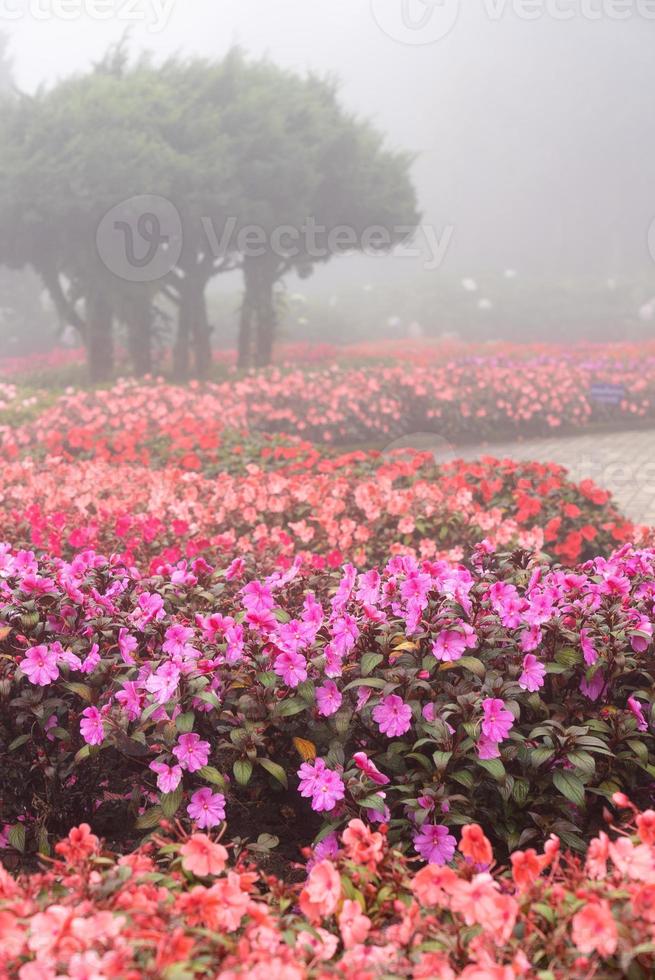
40 665
369 769
393 716
328 699
206 808
451 645
291 667
435 844
497 721
191 751
323 785
168 777
532 678
637 711
91 727
487 748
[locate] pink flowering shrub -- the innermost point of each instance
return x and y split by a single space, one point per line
188 906
422 694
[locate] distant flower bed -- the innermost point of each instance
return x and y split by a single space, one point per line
188 906
469 394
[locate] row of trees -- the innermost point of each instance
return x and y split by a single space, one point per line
232 144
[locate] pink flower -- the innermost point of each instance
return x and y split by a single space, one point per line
191 751
323 785
435 844
91 727
487 748
202 856
328 699
127 645
40 665
168 777
206 808
369 768
594 929
393 716
291 667
532 678
637 711
322 892
450 645
497 721
353 924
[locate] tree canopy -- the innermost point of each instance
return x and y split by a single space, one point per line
263 169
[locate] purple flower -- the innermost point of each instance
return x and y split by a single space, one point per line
291 667
497 721
593 688
637 711
532 678
40 665
91 727
435 844
206 808
328 699
323 785
168 777
191 751
393 716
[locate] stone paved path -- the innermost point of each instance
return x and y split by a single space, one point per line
622 462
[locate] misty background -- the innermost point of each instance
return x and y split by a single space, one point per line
534 142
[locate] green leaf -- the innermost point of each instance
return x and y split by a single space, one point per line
473 664
275 770
570 786
639 749
82 690
208 697
212 775
373 803
369 662
151 818
184 723
494 767
288 708
583 761
376 682
17 742
170 802
242 770
539 756
568 657
16 837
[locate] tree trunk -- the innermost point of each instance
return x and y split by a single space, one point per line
258 310
181 352
139 329
201 334
100 338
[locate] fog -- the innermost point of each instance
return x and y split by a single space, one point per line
531 123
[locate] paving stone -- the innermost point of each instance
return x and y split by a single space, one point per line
621 462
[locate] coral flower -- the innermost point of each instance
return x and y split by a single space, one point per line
202 856
594 930
475 845
322 892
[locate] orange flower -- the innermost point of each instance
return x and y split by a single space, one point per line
79 844
474 845
526 868
594 929
433 886
202 857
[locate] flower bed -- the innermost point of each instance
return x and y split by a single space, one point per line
289 501
187 907
517 694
